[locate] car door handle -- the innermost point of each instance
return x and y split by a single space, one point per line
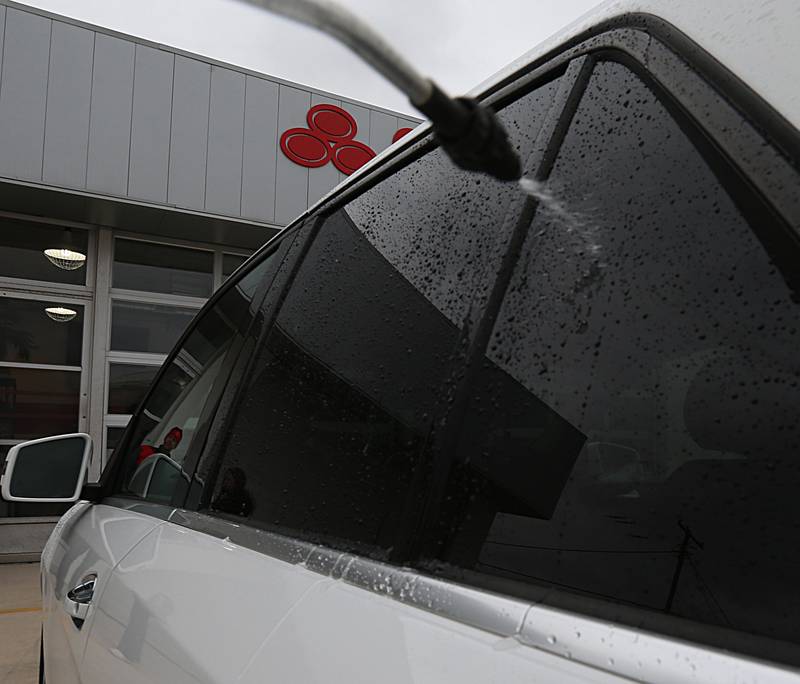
78 599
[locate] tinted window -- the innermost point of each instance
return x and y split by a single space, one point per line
35 401
328 439
163 268
127 384
145 327
29 335
166 427
634 434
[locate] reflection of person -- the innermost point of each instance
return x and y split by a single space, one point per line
171 440
233 497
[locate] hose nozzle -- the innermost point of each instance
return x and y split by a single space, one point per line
471 135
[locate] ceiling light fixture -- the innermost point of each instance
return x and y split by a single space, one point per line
60 314
65 256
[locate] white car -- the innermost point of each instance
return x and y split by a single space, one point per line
440 430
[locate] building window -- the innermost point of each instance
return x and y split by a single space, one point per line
156 291
24 244
41 364
150 267
230 262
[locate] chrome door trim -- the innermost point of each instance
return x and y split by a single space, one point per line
596 643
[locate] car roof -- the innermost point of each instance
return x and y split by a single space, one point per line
757 40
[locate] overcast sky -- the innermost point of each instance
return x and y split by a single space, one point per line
457 42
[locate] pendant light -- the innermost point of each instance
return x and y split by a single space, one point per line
60 314
65 255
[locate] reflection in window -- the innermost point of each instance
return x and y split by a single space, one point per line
650 322
127 384
168 423
328 438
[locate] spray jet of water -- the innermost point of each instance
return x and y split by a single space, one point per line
469 132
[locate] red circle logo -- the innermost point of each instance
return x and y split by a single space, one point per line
305 147
329 137
332 121
351 155
400 132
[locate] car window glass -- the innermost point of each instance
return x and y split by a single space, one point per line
327 440
166 425
634 433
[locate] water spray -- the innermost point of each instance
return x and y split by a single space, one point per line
470 133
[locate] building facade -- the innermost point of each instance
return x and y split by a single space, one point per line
164 170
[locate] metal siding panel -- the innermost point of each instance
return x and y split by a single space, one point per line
189 139
381 129
23 95
291 182
361 115
225 135
323 178
110 129
260 149
150 124
69 92
2 35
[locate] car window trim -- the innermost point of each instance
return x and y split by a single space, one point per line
581 634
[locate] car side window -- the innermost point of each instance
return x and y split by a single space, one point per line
156 465
634 433
327 442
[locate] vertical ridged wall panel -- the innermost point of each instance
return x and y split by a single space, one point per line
260 149
83 109
189 137
110 130
381 129
2 36
150 124
68 94
291 182
23 94
225 137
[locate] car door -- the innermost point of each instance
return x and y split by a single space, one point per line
85 546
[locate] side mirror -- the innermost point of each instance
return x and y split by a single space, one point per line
47 470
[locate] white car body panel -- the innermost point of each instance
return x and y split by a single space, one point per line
757 41
185 606
87 539
343 633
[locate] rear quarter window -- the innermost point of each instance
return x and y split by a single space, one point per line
633 434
